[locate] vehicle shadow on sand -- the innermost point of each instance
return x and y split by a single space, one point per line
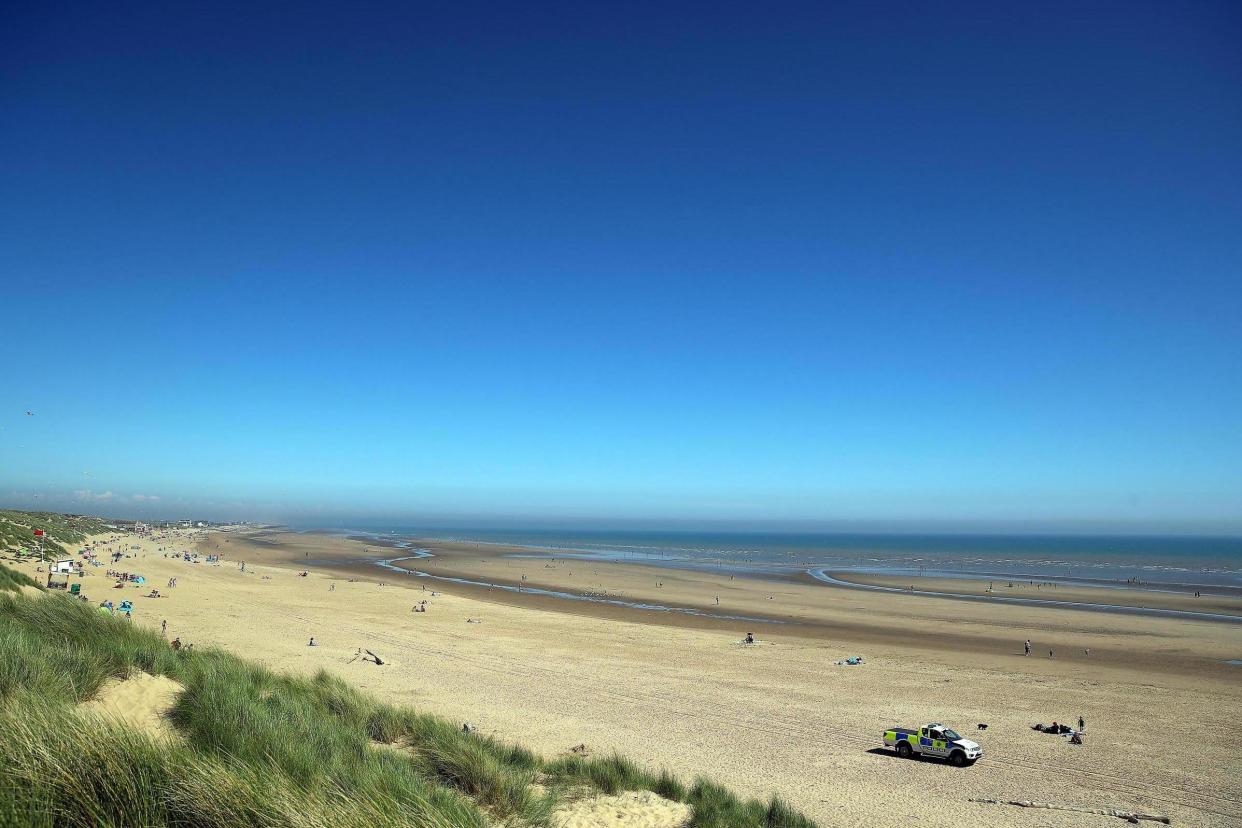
889 753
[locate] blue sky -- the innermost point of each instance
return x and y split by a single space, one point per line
816 263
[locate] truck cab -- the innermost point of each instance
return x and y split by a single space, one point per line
937 740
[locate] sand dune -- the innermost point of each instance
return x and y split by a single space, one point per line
140 701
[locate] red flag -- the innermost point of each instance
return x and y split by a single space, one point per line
38 533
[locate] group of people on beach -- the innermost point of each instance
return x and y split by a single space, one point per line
1064 730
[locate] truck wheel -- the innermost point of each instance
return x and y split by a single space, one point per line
903 750
958 759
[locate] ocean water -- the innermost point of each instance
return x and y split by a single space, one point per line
1173 562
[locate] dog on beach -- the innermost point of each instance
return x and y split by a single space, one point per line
982 726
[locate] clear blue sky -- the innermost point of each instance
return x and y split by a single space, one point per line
810 262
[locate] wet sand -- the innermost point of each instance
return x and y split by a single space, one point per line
1120 596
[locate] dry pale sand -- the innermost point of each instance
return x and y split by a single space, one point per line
675 691
629 809
141 701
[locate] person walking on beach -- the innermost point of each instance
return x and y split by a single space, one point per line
1028 647
164 628
1082 725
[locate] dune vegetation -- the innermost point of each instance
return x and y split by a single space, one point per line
12 581
252 747
17 530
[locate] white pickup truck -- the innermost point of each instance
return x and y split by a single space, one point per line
933 740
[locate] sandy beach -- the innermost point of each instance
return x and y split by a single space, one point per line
679 690
1017 590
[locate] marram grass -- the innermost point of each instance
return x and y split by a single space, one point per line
12 581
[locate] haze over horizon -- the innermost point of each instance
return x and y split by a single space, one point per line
804 266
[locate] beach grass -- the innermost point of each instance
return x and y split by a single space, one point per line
12 580
716 807
17 531
259 748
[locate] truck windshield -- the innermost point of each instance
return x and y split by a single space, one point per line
951 735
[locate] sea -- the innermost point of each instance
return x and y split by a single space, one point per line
1178 563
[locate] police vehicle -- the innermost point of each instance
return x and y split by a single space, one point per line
933 740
